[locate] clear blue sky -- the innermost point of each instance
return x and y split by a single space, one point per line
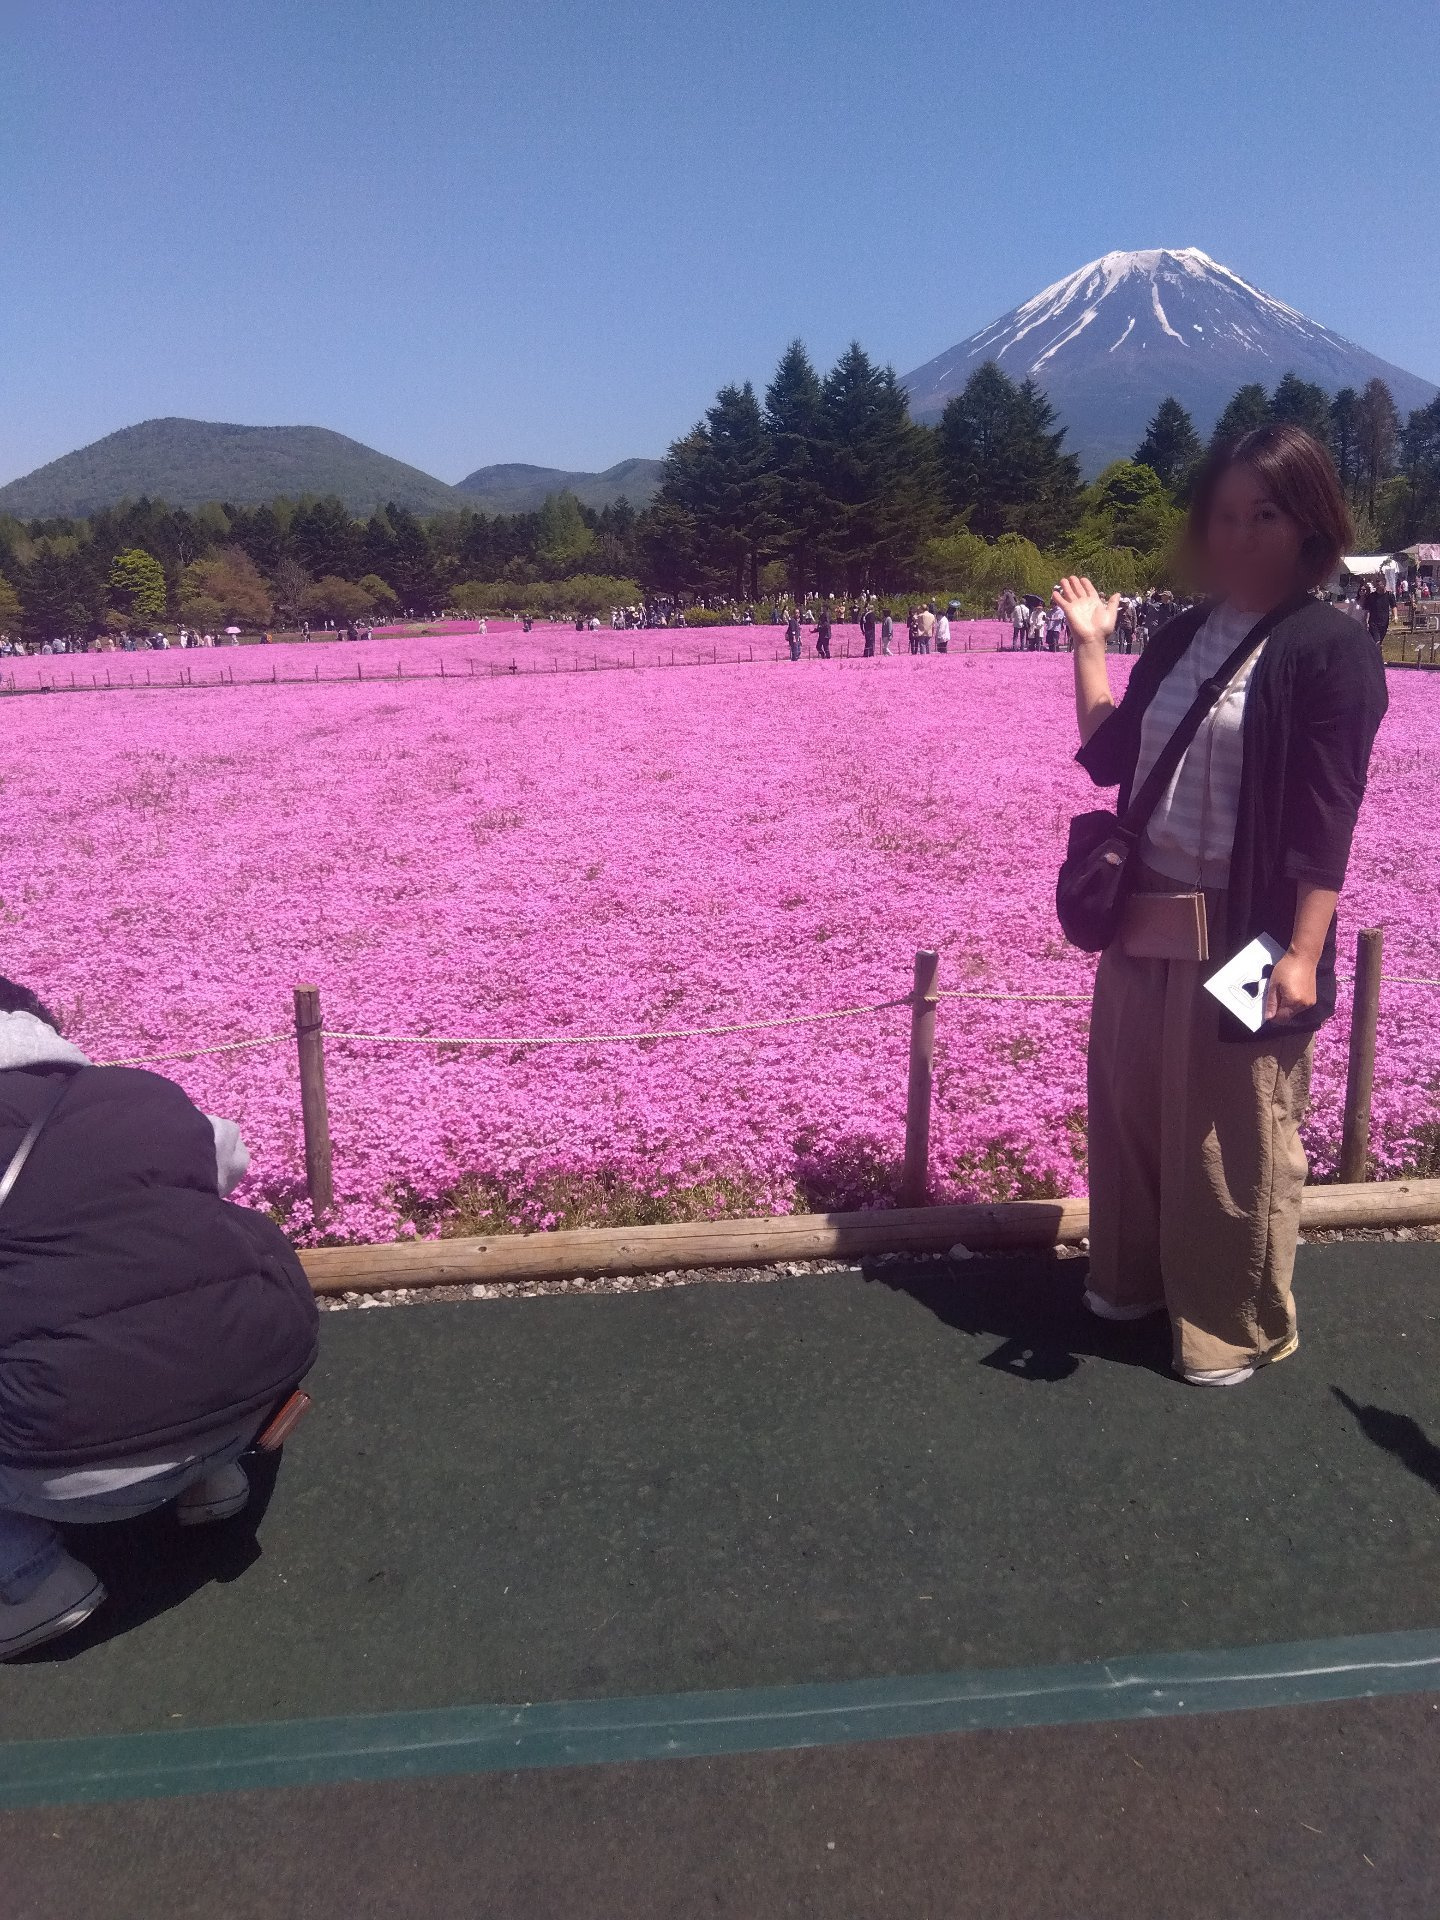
548 229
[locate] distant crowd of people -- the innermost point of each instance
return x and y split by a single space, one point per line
156 642
1036 624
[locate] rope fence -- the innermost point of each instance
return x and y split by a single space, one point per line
310 1034
686 653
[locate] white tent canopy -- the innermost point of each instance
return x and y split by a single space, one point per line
1366 565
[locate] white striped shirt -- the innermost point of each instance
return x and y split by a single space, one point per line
1173 838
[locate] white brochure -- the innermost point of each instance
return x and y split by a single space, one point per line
1241 984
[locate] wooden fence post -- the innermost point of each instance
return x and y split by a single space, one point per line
915 1180
1360 1074
314 1108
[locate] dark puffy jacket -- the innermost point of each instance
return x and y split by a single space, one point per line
138 1310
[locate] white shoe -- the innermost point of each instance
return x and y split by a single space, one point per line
1237 1376
61 1601
1220 1376
219 1496
1104 1309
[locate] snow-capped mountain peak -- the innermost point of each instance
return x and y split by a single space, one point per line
1111 340
1129 294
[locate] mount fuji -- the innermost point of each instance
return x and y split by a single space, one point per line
1110 341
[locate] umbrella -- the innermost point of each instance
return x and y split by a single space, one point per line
1032 600
232 629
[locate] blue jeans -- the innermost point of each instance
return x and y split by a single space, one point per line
30 1546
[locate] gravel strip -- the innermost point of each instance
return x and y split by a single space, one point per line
739 1276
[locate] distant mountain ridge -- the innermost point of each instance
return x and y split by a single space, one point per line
189 462
518 488
1110 341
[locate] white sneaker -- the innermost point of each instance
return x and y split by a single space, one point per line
1104 1309
61 1601
1220 1376
219 1496
1237 1376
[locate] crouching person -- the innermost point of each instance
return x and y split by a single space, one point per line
148 1327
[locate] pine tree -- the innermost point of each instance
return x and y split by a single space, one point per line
1344 437
718 477
1420 464
1377 435
795 420
1002 461
413 572
324 539
62 591
1248 409
1303 404
880 476
1171 447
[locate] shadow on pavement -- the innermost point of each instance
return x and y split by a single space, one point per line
151 1564
1031 1306
1396 1434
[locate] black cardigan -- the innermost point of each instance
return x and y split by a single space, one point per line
1312 709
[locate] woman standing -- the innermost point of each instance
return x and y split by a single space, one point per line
1196 1164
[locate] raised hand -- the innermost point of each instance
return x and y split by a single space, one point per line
1088 614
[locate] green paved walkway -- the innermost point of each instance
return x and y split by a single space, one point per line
822 1480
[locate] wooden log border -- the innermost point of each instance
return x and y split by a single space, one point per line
600 1252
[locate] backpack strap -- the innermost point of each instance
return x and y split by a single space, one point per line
54 1095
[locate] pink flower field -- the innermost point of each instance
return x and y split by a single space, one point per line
455 648
605 853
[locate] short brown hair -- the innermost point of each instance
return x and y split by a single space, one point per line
1299 476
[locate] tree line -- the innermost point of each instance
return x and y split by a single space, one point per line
823 485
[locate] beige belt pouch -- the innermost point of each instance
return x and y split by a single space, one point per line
1164 926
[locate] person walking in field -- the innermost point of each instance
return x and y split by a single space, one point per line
867 629
822 633
942 633
1378 608
1125 626
925 626
148 1328
887 634
1196 1163
792 633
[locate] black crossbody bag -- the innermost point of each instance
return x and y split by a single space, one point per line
1101 855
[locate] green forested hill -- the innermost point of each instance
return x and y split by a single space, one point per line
187 462
518 488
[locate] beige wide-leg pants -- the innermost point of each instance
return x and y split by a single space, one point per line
1196 1164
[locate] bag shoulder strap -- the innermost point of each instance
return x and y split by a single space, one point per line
54 1095
1144 803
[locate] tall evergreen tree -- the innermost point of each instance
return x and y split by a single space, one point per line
62 590
1171 446
324 539
1344 436
1420 464
413 571
795 419
880 476
719 477
1377 436
1303 404
1002 461
1248 409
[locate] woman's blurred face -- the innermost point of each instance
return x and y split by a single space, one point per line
1253 549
